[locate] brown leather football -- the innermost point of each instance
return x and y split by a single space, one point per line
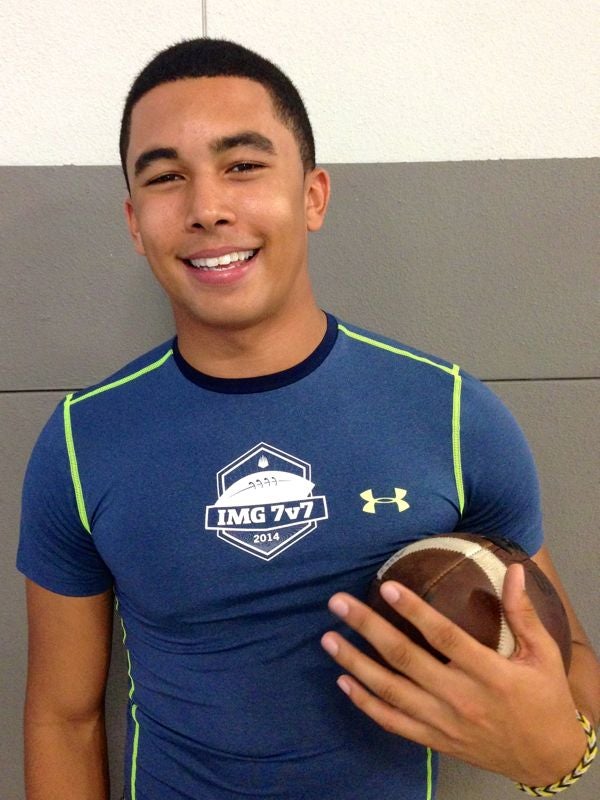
461 575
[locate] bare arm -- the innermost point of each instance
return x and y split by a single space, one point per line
69 655
584 673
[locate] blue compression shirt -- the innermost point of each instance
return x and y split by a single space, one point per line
225 513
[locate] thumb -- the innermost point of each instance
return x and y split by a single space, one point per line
530 634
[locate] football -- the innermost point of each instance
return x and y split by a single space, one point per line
461 575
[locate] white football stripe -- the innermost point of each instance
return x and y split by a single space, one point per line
274 486
493 567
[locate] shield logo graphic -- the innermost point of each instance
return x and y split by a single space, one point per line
265 502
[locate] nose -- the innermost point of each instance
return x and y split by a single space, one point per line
208 204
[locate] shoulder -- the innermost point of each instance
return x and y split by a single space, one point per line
141 366
475 395
483 413
479 416
374 347
55 438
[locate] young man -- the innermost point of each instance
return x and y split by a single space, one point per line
222 487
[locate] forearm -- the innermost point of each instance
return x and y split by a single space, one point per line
584 680
66 759
570 742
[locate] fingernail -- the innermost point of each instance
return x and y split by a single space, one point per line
344 685
390 592
339 607
330 645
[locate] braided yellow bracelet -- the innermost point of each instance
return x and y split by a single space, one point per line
590 754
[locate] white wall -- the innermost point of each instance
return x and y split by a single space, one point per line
384 80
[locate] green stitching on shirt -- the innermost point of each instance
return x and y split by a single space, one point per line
429 775
127 378
136 737
392 349
73 464
134 708
77 487
456 396
456 454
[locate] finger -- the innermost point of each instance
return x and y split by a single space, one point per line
532 637
392 645
391 687
462 649
390 719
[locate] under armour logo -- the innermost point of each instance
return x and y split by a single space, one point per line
371 502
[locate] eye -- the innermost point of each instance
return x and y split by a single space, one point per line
246 166
168 177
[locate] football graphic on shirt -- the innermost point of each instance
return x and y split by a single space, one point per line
265 502
272 486
461 575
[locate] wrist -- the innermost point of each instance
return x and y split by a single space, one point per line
565 753
590 751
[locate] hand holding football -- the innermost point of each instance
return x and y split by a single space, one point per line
461 575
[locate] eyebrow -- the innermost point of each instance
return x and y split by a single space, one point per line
221 145
243 139
148 156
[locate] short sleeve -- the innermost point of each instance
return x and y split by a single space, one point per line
55 550
501 487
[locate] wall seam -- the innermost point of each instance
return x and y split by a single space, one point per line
569 379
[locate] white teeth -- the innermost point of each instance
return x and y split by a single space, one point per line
222 261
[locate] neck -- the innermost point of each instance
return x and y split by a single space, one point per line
266 347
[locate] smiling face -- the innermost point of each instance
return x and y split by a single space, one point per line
220 205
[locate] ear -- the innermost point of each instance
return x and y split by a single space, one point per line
134 229
317 190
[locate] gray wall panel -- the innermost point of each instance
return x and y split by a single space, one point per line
76 301
490 264
560 421
116 703
21 417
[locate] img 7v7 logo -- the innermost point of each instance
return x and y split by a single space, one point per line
264 518
265 502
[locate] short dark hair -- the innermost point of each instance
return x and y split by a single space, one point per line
211 58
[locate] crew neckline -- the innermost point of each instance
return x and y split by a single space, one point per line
261 383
